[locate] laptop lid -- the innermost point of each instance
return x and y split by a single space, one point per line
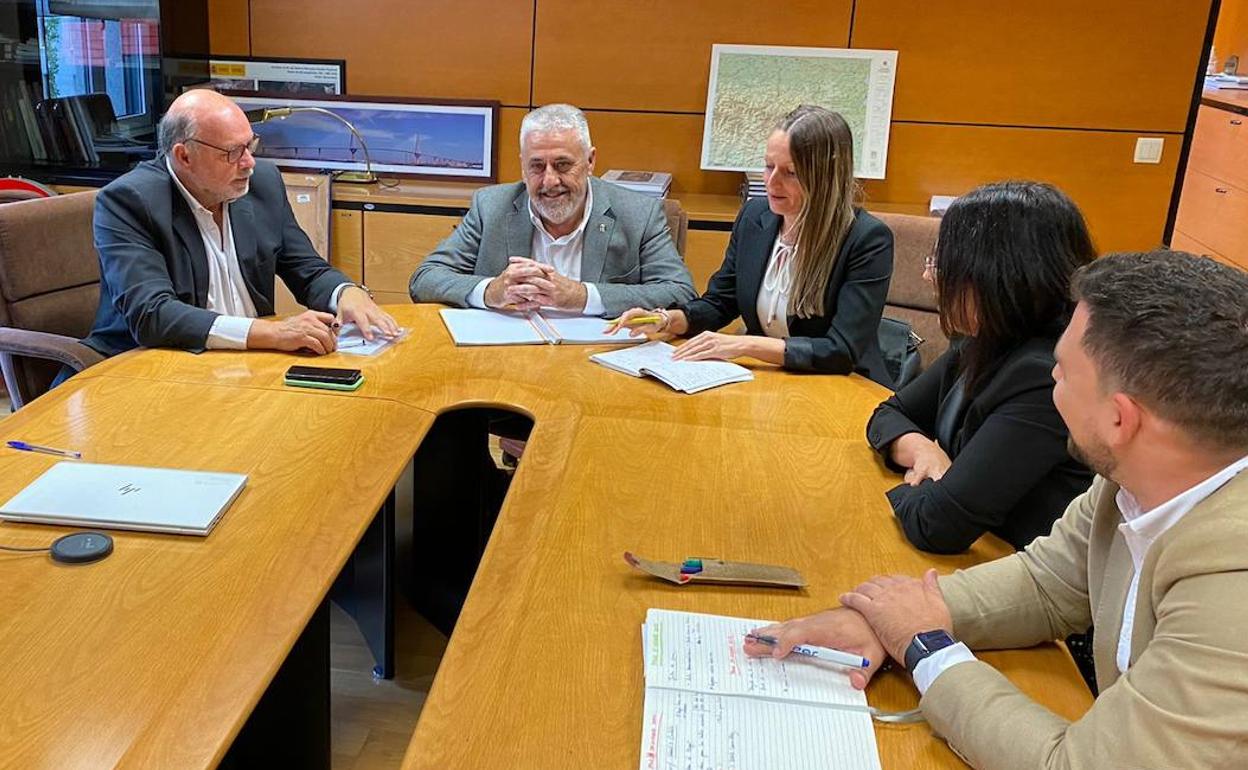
126 497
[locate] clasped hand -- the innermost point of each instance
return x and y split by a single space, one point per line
528 285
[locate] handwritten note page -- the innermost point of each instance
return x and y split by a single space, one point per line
694 731
710 707
655 358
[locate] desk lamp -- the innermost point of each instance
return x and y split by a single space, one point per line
281 113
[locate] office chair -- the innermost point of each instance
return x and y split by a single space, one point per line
910 298
49 290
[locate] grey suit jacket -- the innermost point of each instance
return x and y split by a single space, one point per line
628 252
1183 703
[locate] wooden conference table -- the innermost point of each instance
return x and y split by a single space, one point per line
156 656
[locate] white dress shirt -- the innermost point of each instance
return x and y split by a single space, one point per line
773 295
227 293
563 253
1139 529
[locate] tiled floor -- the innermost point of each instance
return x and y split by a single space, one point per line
373 719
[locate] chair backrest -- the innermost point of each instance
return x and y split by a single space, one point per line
910 298
677 223
49 274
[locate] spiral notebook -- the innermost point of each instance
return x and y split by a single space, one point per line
709 706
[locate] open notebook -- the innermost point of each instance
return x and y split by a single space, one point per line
470 326
709 706
655 359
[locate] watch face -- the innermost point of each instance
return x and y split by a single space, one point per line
935 640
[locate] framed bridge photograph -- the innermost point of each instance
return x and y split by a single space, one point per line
447 140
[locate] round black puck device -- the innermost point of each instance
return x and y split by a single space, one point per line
82 547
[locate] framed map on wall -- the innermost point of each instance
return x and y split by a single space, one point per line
754 86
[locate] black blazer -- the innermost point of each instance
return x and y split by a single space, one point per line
843 340
154 271
1011 472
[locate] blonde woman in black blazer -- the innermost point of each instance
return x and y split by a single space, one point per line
806 270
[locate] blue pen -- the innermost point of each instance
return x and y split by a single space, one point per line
819 653
47 450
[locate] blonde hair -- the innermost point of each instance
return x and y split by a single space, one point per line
822 148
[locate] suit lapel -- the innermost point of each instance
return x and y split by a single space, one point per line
192 243
752 255
519 232
1108 619
598 231
242 229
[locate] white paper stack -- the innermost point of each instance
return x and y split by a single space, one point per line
753 187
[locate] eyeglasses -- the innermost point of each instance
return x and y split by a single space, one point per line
233 154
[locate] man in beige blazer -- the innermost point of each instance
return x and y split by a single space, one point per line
1152 380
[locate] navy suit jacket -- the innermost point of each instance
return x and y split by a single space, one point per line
154 270
846 337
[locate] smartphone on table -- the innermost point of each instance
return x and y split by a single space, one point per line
324 377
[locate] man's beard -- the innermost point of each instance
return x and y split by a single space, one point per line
1096 456
557 211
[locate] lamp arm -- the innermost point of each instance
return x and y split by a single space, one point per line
368 158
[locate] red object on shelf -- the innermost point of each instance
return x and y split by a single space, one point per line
15 188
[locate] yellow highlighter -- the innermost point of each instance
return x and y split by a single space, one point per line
640 320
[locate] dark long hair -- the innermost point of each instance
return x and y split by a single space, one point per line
1004 260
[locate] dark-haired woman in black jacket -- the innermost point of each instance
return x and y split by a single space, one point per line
977 436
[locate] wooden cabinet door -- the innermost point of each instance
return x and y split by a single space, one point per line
1215 212
1220 146
309 199
395 243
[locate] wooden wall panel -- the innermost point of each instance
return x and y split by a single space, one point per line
1125 203
668 142
655 54
1126 64
447 49
1231 36
229 27
509 143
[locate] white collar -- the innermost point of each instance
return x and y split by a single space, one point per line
540 226
197 208
1141 527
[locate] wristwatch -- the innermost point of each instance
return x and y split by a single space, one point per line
925 644
366 290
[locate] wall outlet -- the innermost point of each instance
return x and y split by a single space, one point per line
1148 149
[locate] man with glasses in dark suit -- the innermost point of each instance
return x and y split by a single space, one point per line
190 242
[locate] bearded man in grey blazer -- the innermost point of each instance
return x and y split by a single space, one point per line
561 238
1150 381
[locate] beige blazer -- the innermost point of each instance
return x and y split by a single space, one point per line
1183 703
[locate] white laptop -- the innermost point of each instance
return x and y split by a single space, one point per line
78 494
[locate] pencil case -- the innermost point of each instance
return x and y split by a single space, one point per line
711 570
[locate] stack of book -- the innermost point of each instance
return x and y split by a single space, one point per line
652 183
753 186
